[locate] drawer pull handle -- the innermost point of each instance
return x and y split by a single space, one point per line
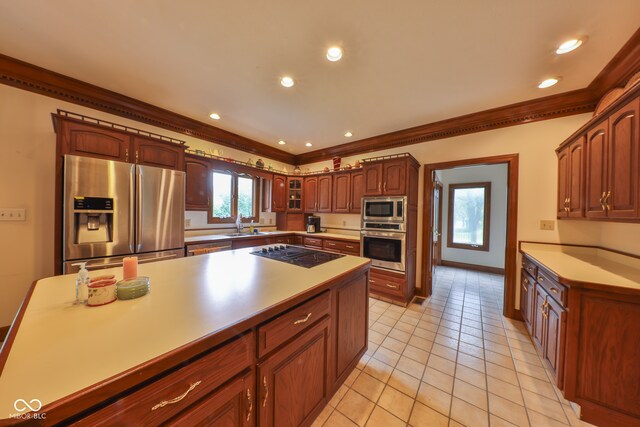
331 244
392 286
299 321
554 290
249 404
176 399
349 247
372 281
541 279
265 389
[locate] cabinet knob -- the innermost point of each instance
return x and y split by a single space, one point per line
136 156
126 154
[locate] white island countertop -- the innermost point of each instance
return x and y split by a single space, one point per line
584 265
61 348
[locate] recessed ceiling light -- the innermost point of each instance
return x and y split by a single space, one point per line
334 54
281 142
568 46
547 83
287 81
215 116
308 144
348 134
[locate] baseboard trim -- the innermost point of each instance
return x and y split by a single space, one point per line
475 267
4 330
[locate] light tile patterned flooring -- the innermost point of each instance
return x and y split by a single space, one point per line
452 361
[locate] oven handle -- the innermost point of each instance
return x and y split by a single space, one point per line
367 233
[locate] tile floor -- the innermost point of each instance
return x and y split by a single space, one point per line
452 361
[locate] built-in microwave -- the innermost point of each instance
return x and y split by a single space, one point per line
385 249
384 209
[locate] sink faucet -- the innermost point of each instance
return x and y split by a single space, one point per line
239 225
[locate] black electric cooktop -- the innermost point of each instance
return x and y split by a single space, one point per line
296 255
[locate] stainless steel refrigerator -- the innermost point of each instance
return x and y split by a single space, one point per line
114 209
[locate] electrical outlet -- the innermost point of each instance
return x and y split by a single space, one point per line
344 223
547 224
187 222
12 214
270 221
261 220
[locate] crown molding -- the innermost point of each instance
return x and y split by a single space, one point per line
23 75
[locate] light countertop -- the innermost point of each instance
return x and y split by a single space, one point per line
61 348
587 264
214 237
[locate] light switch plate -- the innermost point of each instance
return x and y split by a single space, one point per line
547 224
12 214
187 222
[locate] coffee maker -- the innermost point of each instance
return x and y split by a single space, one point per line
313 224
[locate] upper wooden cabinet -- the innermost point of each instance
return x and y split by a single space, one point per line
294 194
159 154
324 193
571 180
386 177
372 179
341 192
198 183
598 167
279 193
94 141
104 142
357 191
311 194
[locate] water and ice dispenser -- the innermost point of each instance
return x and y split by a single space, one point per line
93 219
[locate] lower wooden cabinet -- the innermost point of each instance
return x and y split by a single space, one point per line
526 300
389 284
293 382
554 351
234 405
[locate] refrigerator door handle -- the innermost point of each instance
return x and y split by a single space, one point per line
132 209
160 258
138 211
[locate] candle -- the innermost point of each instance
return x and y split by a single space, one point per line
130 267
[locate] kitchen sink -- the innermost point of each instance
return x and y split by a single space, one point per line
244 234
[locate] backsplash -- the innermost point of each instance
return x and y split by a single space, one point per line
198 219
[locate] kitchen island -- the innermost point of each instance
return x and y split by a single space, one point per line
226 336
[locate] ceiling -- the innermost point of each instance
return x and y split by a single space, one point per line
404 64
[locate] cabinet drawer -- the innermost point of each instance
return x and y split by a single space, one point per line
550 284
312 241
351 248
387 283
166 397
529 267
291 323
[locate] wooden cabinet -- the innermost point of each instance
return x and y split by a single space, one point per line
351 327
160 154
571 179
233 405
317 193
342 246
372 179
198 183
599 167
554 349
526 300
394 177
294 194
279 193
324 193
341 193
357 191
292 383
623 162
311 194
388 284
539 303
88 140
386 178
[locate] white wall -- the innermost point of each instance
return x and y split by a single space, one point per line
27 175
497 175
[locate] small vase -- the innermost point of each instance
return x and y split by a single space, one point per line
336 163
